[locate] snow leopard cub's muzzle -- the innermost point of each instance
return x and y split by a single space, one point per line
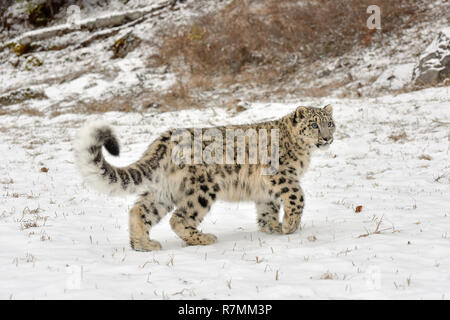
325 143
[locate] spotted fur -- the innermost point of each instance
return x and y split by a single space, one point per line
191 189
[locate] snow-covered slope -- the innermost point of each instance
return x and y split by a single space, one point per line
60 239
70 69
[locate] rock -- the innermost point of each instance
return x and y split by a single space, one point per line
395 77
21 95
32 62
124 45
434 63
324 73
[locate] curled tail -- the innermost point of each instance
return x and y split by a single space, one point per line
97 171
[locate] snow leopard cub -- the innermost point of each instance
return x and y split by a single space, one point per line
190 188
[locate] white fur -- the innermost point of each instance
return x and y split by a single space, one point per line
90 172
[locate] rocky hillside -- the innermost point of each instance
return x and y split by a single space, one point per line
96 56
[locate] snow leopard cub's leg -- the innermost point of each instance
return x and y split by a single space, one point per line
195 204
268 213
146 213
293 201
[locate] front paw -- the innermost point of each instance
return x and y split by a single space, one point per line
290 226
200 238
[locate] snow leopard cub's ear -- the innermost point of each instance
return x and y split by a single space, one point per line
328 109
299 115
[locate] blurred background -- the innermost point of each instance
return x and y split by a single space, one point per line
79 56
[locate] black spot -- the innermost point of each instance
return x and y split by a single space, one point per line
145 171
112 176
192 169
194 215
295 189
145 208
112 146
190 192
213 196
124 177
190 204
179 215
228 169
284 190
216 188
292 203
293 197
203 202
204 188
282 180
135 175
301 198
164 138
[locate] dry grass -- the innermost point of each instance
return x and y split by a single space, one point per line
22 111
329 276
177 97
398 136
264 42
262 49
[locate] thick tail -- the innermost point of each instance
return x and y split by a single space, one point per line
97 171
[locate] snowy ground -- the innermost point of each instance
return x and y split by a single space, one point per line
59 239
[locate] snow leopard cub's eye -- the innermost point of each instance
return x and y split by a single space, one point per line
314 125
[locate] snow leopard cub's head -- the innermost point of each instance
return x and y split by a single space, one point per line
314 126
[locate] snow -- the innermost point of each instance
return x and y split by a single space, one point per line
60 239
395 77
